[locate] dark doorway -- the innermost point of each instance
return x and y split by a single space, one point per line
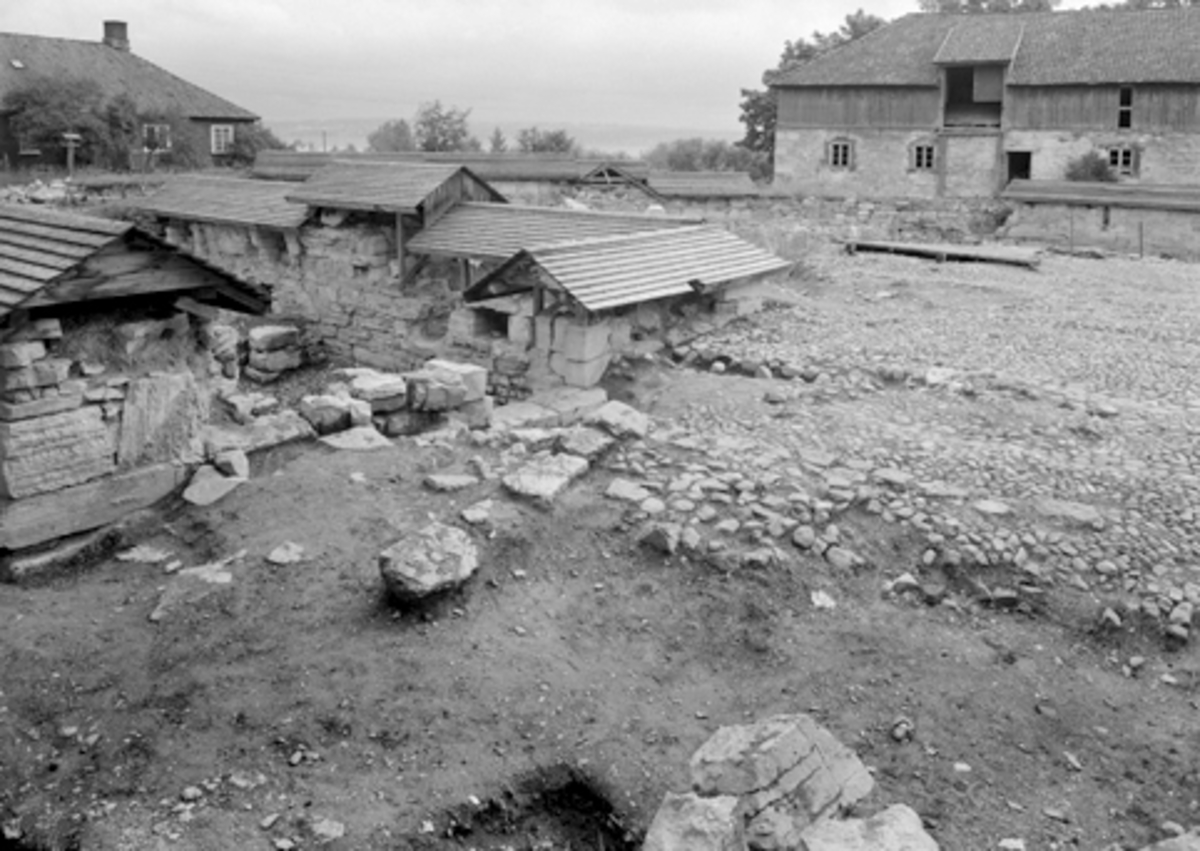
1020 165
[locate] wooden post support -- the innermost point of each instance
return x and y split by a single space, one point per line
1141 238
401 254
1071 232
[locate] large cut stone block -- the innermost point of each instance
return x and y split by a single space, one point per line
162 420
47 453
268 338
18 355
543 479
44 373
571 404
10 411
276 360
38 519
580 342
789 762
471 376
691 823
523 415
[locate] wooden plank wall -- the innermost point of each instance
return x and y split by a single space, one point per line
859 106
1155 108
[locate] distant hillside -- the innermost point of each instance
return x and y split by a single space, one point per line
634 140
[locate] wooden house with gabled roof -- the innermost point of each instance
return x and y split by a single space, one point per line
958 105
159 96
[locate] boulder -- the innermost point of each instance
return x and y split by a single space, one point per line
898 828
232 462
545 478
691 823
789 763
434 558
661 537
620 420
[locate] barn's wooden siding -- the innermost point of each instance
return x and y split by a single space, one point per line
1155 108
859 106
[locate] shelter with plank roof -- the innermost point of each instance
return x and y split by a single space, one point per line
105 368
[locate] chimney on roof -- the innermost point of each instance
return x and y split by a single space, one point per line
116 35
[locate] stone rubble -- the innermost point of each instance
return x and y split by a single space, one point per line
427 561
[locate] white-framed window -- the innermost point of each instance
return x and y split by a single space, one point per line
222 138
1123 160
840 154
923 157
156 137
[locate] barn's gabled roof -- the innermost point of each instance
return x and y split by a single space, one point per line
153 89
227 200
44 256
498 231
393 187
1087 47
615 271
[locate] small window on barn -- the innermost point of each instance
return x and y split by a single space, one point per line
1125 108
222 138
156 137
840 154
1123 160
922 157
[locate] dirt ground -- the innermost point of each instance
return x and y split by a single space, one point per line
553 701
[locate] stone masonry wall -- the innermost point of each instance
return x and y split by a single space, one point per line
1172 233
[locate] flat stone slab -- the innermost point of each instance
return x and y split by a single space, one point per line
545 478
361 439
36 520
571 404
585 442
208 485
523 415
992 507
1072 513
449 482
263 433
627 490
620 420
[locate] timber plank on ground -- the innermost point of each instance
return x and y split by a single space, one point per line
1005 254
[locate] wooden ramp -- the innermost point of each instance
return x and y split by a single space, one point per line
941 252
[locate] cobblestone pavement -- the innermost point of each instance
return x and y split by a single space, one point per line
1042 420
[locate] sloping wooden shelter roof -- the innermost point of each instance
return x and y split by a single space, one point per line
393 187
701 184
227 200
498 231
50 258
615 271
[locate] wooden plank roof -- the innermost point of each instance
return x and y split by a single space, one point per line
396 187
702 184
300 165
152 89
498 231
1085 47
610 272
41 248
227 200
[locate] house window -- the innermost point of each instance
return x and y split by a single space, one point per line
923 157
222 138
1125 108
156 137
841 154
1123 160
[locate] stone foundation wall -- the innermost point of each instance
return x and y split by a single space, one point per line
77 409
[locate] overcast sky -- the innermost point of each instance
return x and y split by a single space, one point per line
648 62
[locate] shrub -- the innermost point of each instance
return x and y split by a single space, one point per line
1091 167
